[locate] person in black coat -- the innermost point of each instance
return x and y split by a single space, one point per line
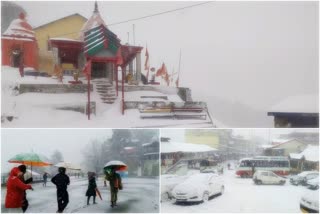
91 191
61 180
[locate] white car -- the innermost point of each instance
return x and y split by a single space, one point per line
198 187
303 177
313 183
267 177
309 202
169 181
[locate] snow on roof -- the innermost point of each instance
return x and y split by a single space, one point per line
311 153
171 147
20 27
283 141
298 104
94 21
266 146
295 156
65 39
280 140
16 38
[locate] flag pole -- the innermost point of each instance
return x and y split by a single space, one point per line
179 68
89 88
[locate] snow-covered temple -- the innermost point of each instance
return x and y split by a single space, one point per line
19 45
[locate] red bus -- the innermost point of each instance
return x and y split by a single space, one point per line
277 164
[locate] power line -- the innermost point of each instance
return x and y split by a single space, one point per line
143 17
161 13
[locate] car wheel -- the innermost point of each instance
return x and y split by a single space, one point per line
165 197
258 182
205 197
282 182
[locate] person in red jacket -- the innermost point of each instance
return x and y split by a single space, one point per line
15 191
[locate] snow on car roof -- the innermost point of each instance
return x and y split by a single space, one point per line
306 173
199 177
172 147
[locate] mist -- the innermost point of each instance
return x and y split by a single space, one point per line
240 57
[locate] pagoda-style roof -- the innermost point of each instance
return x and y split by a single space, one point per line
94 21
20 28
100 38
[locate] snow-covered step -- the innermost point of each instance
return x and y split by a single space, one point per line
107 95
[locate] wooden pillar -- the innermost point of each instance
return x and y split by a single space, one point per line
122 88
138 67
116 76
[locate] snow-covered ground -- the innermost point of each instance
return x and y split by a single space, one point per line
139 195
38 110
242 195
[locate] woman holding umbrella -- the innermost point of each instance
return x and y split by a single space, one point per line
114 179
91 187
16 191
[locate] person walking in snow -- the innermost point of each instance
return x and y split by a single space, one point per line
16 191
91 191
115 185
61 180
45 177
253 169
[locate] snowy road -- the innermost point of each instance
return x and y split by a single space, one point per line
139 195
241 195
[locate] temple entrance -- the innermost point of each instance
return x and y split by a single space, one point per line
99 70
16 58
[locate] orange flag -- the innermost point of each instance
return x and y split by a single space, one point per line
146 64
177 82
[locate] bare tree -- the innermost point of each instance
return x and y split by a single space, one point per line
94 155
56 157
9 12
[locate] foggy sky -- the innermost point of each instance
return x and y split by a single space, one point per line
177 135
70 142
256 53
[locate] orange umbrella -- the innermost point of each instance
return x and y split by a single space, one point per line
30 159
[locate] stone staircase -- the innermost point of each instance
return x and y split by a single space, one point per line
106 90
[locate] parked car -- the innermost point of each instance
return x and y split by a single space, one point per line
169 181
313 183
309 202
267 177
303 177
198 187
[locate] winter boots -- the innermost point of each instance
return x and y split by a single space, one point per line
94 200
